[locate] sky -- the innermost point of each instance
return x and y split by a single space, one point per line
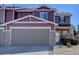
72 8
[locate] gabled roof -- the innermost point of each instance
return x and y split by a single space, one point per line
54 9
24 10
11 8
32 9
13 21
28 9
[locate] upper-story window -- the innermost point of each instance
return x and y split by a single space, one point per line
44 15
62 20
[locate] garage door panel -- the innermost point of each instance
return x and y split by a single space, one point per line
29 36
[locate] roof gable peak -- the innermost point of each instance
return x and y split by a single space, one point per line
45 7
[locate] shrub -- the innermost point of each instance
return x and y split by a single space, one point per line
74 42
65 41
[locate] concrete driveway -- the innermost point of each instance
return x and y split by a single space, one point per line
64 50
24 50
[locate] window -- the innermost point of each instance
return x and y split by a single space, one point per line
62 20
57 19
66 17
44 15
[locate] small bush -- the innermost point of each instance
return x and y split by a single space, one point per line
65 41
74 42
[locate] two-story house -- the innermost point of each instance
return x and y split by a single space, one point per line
12 18
63 19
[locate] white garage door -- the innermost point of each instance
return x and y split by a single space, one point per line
30 36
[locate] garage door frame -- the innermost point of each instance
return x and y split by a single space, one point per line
2 28
29 28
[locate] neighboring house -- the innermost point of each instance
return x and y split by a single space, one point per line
77 28
64 22
43 20
77 34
